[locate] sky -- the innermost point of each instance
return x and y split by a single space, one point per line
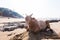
39 8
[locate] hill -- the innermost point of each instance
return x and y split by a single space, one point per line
5 12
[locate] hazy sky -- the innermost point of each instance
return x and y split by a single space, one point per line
39 8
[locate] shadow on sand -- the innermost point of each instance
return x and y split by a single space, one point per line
43 35
35 36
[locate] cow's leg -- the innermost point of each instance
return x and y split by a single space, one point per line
47 25
48 30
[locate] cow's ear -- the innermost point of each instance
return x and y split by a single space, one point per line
31 14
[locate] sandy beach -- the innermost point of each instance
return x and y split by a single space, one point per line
9 34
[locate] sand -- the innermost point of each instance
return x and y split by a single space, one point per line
9 34
55 27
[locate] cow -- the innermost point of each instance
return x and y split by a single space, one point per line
34 30
36 26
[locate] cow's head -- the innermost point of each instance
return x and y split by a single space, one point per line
28 18
32 23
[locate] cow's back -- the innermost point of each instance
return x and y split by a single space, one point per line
42 24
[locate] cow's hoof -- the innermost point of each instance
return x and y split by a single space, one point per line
49 32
